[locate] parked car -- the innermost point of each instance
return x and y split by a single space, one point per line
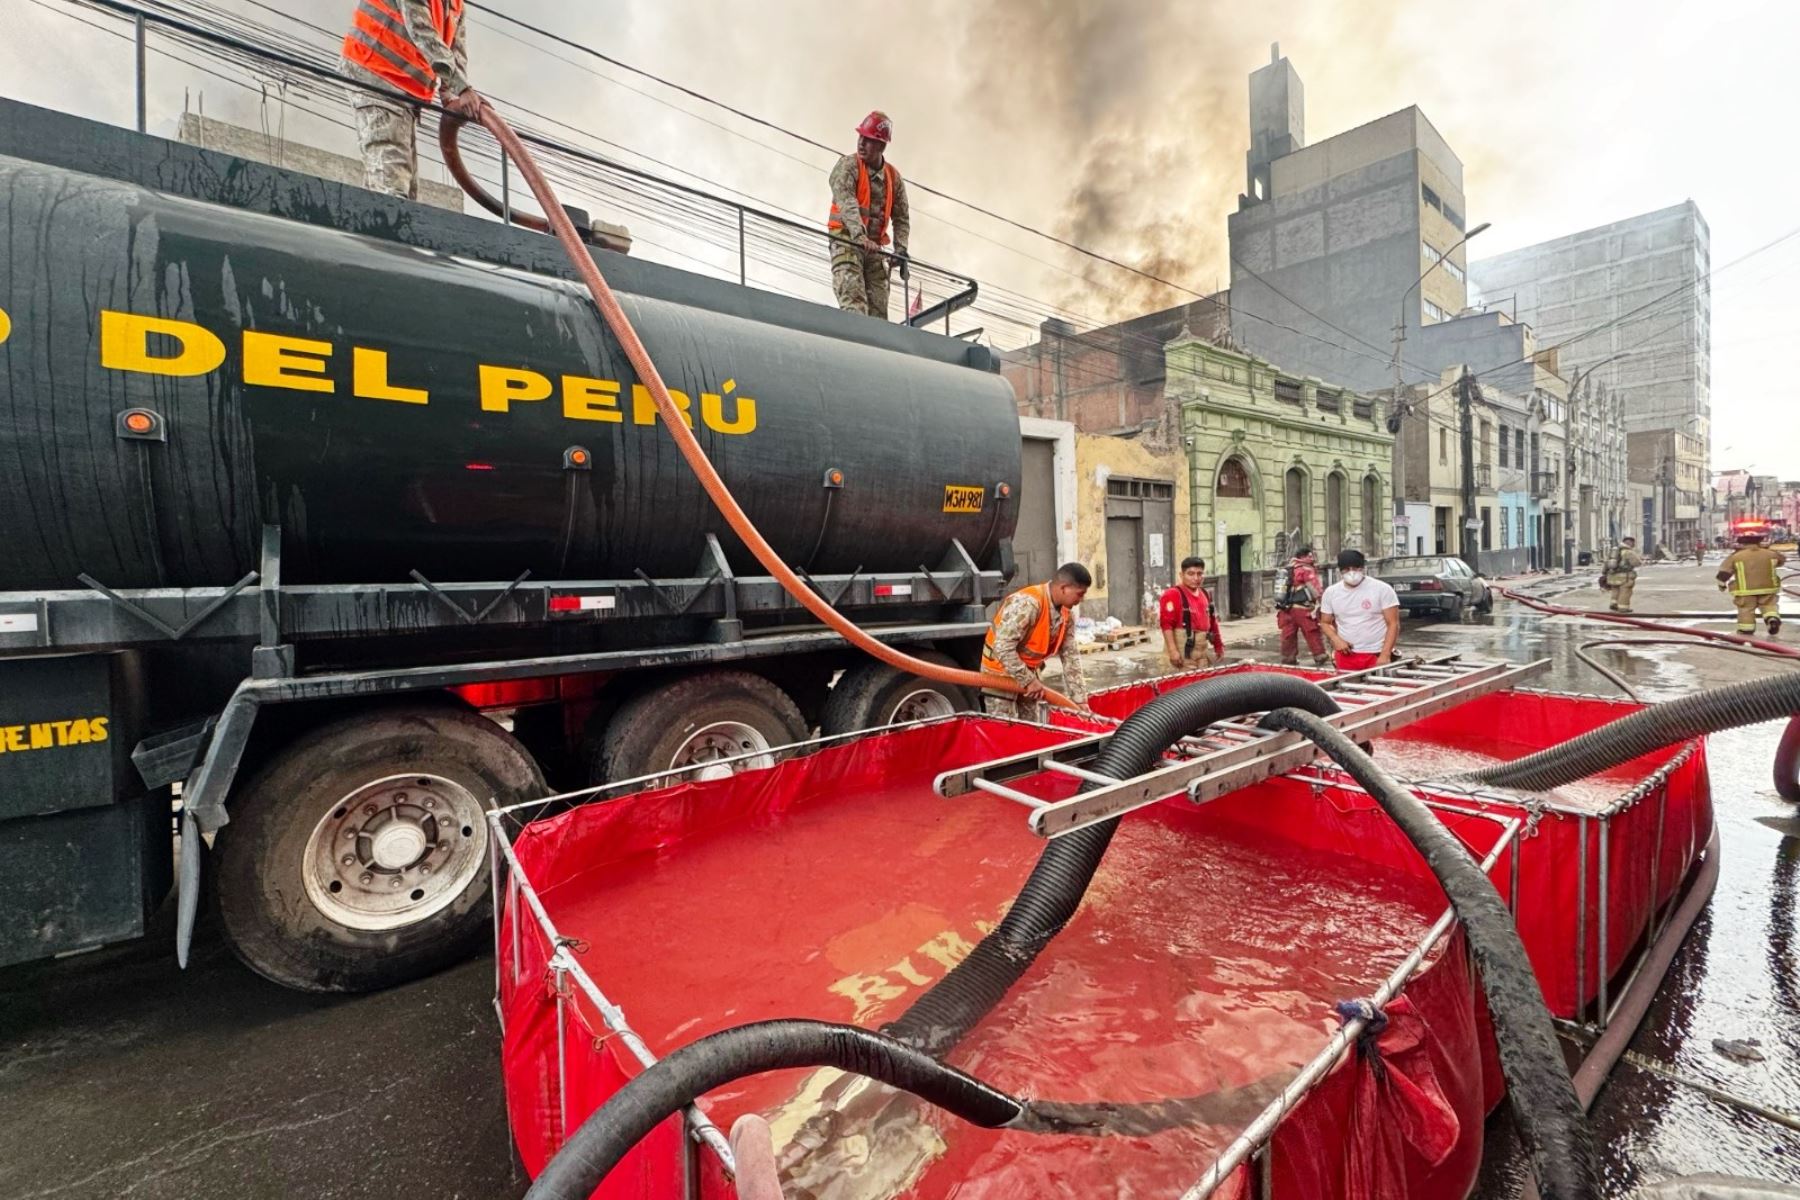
1437 584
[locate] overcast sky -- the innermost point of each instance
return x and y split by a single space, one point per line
1121 125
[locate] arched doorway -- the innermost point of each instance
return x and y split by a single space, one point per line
1334 514
1296 515
1371 513
1237 514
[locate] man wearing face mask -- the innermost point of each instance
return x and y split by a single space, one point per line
1360 616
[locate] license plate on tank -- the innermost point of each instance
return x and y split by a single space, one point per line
961 499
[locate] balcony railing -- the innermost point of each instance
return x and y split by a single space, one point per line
1544 484
1484 476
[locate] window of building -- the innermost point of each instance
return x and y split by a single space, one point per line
1298 513
1122 488
1519 447
1288 390
1505 529
1234 480
1430 254
1330 401
1452 216
1431 197
1363 409
1433 311
1455 271
1519 522
1487 528
1503 442
1443 447
1487 440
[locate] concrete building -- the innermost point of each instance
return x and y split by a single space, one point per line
1672 467
1330 239
257 146
1170 431
1630 302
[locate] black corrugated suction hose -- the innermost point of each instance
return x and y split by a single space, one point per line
1787 763
1658 726
943 1016
1538 1086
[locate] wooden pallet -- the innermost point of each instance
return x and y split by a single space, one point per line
1118 639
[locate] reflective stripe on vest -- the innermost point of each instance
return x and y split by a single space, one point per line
380 43
1038 647
892 177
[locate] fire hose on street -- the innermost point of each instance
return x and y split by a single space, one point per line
472 106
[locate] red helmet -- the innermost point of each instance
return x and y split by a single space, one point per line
877 126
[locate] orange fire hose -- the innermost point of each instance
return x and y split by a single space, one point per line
672 420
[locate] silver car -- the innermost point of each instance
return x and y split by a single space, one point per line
1439 584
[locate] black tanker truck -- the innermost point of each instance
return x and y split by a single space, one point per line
328 521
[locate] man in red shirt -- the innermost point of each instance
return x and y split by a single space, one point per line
1295 600
1187 621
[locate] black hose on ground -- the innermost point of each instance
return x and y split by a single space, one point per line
1787 763
1538 1087
1652 729
943 1016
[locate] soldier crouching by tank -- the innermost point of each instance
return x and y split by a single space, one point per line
867 197
1297 593
1620 576
1750 575
1032 626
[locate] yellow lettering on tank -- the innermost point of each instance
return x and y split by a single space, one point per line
97 726
867 992
62 731
125 345
13 738
276 360
712 411
42 737
503 387
5 326
78 732
643 407
369 379
586 399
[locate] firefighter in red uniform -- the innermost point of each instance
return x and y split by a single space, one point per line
1296 598
1191 636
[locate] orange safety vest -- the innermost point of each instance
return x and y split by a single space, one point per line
379 42
1038 647
836 224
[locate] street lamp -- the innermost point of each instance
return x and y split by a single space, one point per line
1398 412
1569 456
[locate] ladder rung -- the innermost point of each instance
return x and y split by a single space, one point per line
1017 797
1063 768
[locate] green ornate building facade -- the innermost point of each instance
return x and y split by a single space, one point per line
1275 461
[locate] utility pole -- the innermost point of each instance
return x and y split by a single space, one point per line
1465 395
1568 513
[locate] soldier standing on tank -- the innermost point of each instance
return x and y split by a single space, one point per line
1749 573
867 198
1032 626
418 48
1620 576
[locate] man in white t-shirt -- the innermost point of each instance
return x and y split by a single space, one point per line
1360 616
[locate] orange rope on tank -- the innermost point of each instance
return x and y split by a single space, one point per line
672 420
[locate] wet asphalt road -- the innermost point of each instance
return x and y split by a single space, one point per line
121 1076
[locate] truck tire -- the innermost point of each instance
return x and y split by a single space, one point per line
696 721
874 694
357 857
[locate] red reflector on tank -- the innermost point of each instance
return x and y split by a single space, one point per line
478 466
893 589
565 604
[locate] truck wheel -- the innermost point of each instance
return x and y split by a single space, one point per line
698 721
874 694
358 857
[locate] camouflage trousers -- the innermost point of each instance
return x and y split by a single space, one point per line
860 281
1016 707
388 132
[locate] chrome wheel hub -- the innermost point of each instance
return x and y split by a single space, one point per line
395 851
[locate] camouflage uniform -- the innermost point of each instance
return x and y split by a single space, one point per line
860 279
387 125
1018 614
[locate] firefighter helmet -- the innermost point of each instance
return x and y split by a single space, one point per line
877 126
